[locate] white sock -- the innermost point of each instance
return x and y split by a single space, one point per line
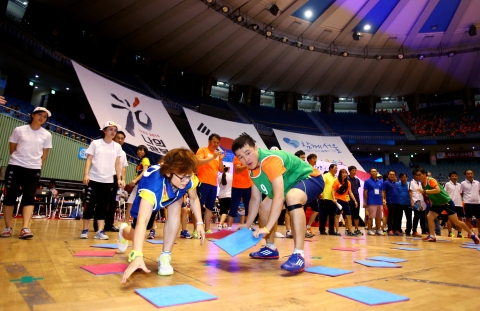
299 251
165 253
271 246
308 227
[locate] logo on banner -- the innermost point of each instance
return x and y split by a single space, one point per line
82 153
291 142
320 148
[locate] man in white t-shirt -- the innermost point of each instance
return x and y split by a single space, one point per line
418 204
471 198
454 190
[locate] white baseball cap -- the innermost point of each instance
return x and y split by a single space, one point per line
40 109
110 123
274 148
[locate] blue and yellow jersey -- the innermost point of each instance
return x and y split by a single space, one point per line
157 190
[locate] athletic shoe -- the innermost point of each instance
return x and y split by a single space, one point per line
279 235
417 235
84 234
475 238
380 232
288 234
229 228
195 234
351 234
408 234
120 231
358 232
323 233
460 236
371 232
185 235
309 230
398 233
100 235
219 227
469 236
151 234
164 266
265 253
337 234
6 233
309 234
208 232
25 233
451 235
390 233
224 226
429 238
295 264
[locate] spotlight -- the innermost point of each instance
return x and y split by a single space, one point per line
31 83
268 33
225 9
356 35
52 92
311 48
274 10
472 31
378 57
344 54
299 44
284 39
421 57
366 27
254 26
308 14
239 18
451 54
400 56
209 1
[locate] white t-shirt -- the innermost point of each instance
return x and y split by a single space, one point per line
416 196
103 159
123 162
455 192
225 191
30 145
470 192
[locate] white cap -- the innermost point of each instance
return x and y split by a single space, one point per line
110 123
274 148
40 109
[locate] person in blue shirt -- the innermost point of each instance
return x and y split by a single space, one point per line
161 186
372 200
404 202
390 196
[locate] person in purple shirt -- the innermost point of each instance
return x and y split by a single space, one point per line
390 196
404 202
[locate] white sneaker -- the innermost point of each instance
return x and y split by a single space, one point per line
84 234
371 232
100 235
380 232
164 266
122 244
120 231
279 235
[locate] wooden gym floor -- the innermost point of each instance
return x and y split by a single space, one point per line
42 274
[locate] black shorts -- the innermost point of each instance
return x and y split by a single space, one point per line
355 210
314 205
460 211
18 181
449 207
345 208
150 221
472 209
224 205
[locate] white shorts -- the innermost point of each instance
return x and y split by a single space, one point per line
133 195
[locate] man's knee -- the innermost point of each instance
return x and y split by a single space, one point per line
294 207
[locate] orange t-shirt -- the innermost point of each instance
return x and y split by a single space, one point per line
344 197
241 180
207 173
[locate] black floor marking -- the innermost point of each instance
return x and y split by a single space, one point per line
440 283
396 276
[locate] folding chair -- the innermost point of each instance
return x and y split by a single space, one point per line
43 198
69 201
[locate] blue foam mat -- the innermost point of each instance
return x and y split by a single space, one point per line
174 295
112 246
377 264
407 248
404 243
387 259
327 271
156 241
238 242
368 295
471 246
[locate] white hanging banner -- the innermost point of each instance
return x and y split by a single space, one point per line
203 126
143 119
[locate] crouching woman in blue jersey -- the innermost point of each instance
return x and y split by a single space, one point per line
161 186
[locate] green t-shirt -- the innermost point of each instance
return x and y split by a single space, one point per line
437 199
295 170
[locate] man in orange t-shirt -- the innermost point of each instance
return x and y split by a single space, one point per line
210 163
241 190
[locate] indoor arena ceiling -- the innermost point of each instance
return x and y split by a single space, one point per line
199 37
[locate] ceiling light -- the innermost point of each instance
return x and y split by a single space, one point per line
284 39
53 92
209 1
344 54
30 83
68 89
366 27
225 9
254 26
268 33
378 148
400 56
299 44
356 35
448 148
434 27
378 57
451 54
311 48
36 87
473 147
36 76
239 18
358 148
421 57
423 148
401 149
308 13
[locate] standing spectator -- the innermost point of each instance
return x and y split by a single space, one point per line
404 202
2 100
355 184
372 199
103 154
241 190
315 204
390 196
342 194
210 163
471 198
418 204
224 195
29 147
330 206
454 190
112 205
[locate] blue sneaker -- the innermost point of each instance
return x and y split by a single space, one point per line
475 238
295 264
151 235
265 253
184 234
